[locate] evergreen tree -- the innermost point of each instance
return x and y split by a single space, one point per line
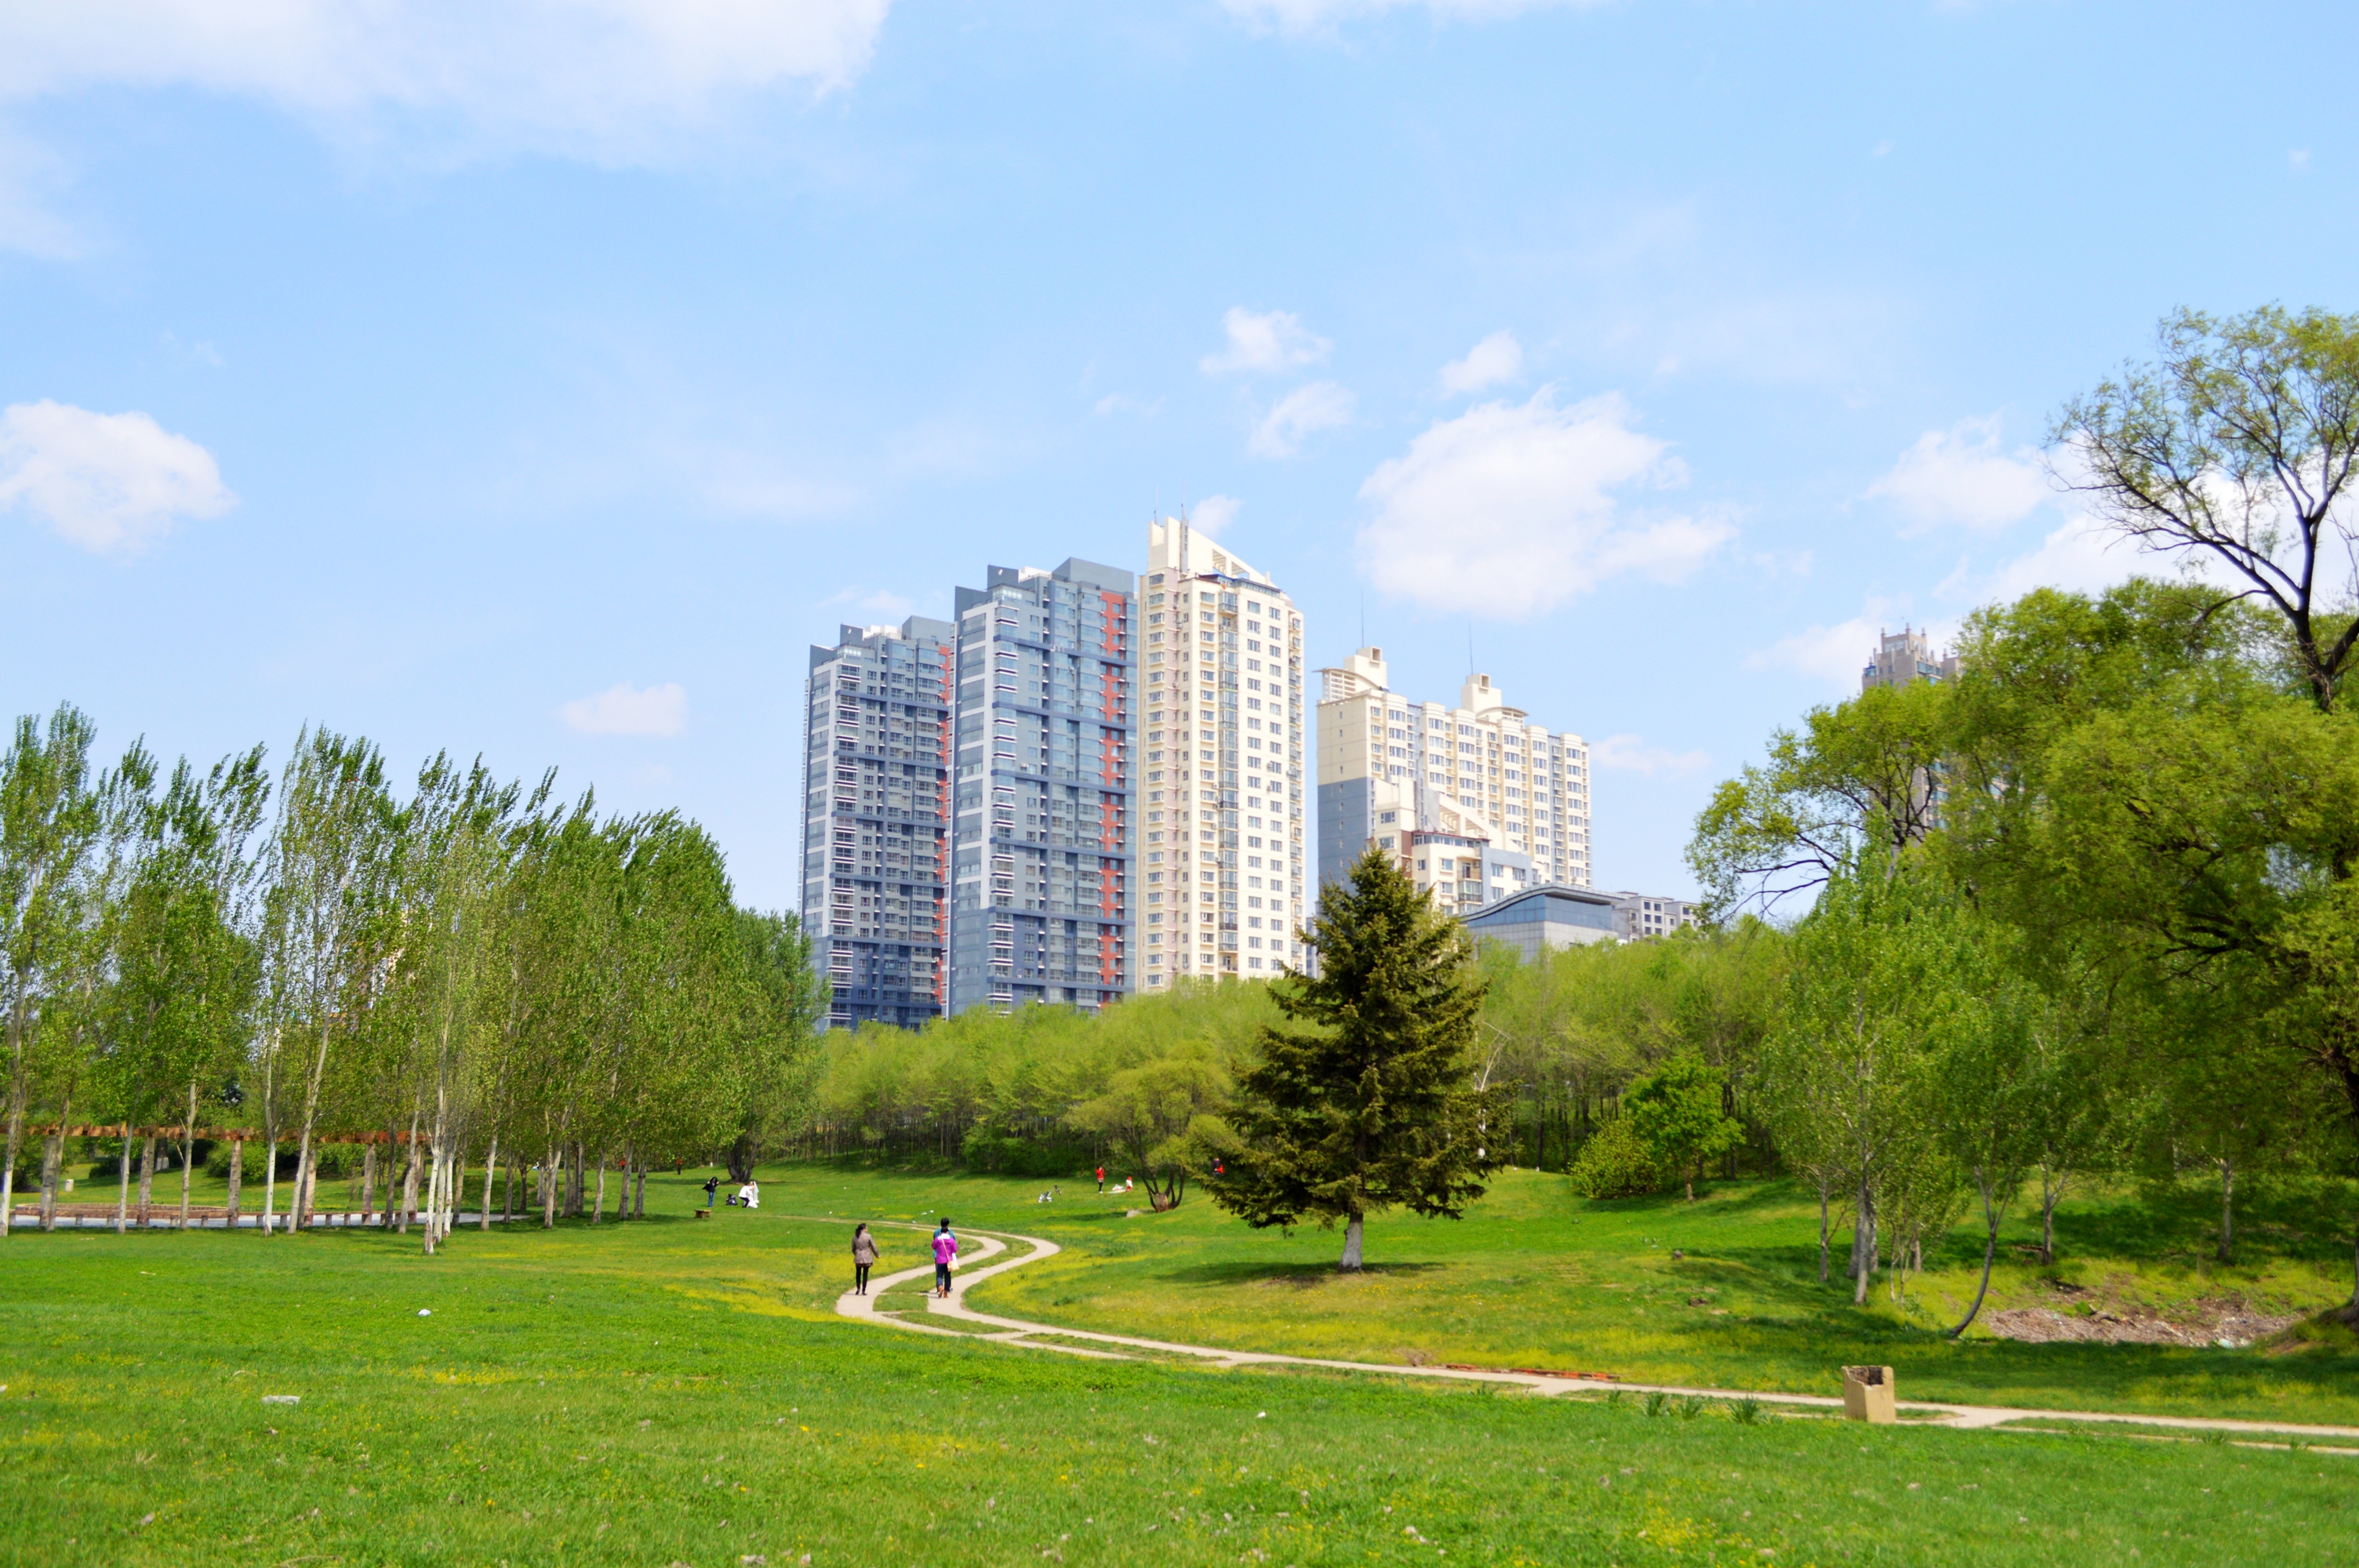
1381 1102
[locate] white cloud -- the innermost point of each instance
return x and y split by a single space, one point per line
1263 344
596 77
1310 15
626 709
110 482
1511 509
1321 405
1495 358
1835 654
1213 514
30 178
2081 557
880 601
1959 475
1632 754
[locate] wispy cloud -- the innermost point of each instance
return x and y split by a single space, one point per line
31 178
876 601
1213 514
611 80
1321 405
1315 15
1960 476
626 709
1513 509
114 483
1495 358
1264 344
1635 754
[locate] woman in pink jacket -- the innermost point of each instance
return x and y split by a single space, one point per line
945 1253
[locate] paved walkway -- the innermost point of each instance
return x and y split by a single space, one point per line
982 1247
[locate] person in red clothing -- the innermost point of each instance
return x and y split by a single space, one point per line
945 1255
1101 1178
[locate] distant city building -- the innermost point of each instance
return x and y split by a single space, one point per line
1904 656
1902 659
1041 895
1543 918
877 819
1635 916
1224 825
1475 802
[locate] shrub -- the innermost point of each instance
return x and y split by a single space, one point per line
335 1160
983 1149
1615 1165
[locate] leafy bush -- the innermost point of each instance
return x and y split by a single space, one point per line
335 1160
983 1149
1616 1164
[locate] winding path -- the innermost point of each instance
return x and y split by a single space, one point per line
1110 1346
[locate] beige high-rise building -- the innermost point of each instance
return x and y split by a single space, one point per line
1476 802
1221 827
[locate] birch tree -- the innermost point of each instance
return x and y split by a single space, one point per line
48 818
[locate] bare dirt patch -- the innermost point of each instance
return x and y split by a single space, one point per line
2212 1321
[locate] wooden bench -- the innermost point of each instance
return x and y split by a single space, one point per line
705 1214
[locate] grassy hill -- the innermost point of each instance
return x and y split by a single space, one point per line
677 1391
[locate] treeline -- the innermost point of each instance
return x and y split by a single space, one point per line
2095 904
486 978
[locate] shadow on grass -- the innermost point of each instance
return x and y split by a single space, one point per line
1292 1275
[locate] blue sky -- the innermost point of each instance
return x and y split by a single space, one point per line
539 380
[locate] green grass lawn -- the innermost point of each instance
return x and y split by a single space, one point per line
1533 1277
679 1391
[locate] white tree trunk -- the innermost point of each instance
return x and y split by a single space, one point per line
1351 1244
269 1186
122 1189
491 1169
147 1177
187 1149
237 1179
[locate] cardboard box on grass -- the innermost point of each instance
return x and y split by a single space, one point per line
1867 1395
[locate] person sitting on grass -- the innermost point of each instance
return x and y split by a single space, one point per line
945 1258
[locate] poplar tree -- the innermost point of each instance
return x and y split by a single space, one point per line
48 820
1381 1101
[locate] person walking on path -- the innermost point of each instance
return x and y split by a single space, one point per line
945 1258
864 1258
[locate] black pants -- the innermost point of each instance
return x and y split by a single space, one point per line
860 1276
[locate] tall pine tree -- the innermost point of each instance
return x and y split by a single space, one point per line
1380 1102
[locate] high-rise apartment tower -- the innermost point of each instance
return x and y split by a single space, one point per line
1476 802
1040 899
877 819
1223 818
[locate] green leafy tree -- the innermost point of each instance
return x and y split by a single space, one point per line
1156 1116
1379 1101
49 819
1675 1111
2240 442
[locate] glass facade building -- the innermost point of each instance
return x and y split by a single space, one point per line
877 819
1040 837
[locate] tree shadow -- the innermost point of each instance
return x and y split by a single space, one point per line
1291 1275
